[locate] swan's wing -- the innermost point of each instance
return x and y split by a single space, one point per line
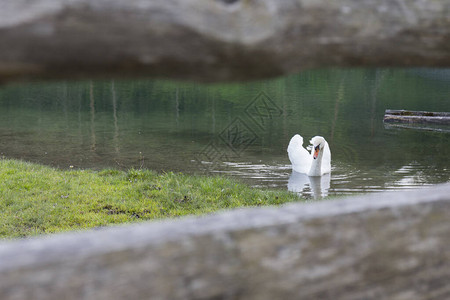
326 159
298 155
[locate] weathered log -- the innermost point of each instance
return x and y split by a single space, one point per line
409 116
217 40
402 112
416 119
379 246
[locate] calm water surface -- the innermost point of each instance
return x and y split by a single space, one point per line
239 130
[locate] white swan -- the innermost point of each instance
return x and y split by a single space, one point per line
315 164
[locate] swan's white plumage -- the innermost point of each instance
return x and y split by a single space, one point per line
299 156
326 160
302 161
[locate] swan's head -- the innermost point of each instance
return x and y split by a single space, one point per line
318 143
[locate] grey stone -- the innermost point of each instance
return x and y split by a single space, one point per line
379 246
217 40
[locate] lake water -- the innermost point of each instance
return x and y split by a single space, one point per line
240 130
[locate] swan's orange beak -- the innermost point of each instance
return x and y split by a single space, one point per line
316 151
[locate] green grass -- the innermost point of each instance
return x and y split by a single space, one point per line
36 199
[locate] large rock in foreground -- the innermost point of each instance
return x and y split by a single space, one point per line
379 246
217 40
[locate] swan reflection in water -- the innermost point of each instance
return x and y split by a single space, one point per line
319 185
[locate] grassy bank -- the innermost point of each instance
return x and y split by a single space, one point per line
36 199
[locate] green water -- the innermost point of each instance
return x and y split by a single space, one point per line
240 130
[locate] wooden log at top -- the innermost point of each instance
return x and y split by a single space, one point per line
402 112
408 116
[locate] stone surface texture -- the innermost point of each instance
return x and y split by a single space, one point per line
379 246
216 40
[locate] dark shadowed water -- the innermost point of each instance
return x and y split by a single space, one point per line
240 130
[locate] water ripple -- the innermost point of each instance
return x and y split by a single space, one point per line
345 179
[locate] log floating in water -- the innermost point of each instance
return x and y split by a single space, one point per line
409 116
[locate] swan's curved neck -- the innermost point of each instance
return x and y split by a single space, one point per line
316 165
